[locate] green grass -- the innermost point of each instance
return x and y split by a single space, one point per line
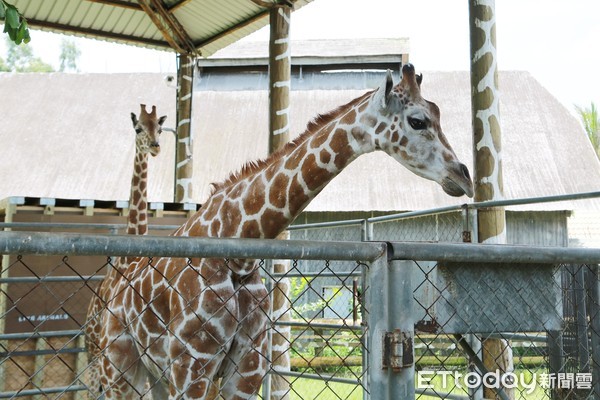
538 393
310 389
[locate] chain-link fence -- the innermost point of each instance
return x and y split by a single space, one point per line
531 322
499 325
559 361
45 304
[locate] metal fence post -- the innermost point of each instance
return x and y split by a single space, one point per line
390 332
269 284
593 291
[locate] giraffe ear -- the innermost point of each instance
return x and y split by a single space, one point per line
389 84
134 119
419 79
384 91
162 119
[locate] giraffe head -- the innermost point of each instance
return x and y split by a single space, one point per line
408 129
147 129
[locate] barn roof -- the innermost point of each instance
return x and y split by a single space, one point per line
70 136
366 51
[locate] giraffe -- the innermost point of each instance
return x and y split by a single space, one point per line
147 128
190 322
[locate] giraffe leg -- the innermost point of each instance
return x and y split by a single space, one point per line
93 331
246 370
245 365
124 376
200 335
159 391
193 378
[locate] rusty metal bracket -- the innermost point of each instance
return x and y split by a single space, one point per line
397 350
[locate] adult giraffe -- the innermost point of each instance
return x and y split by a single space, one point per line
188 322
147 141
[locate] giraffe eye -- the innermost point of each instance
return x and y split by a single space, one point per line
417 124
138 130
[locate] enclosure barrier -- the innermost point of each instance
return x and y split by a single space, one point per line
412 313
52 363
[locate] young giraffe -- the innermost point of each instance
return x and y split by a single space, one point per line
193 321
147 129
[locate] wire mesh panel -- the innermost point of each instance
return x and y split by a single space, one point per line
542 320
45 302
44 306
325 318
440 227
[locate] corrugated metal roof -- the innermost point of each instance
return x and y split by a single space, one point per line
204 25
70 136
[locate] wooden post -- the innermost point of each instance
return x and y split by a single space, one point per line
279 77
10 209
279 109
497 353
183 147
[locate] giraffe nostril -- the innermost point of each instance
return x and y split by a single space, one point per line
465 171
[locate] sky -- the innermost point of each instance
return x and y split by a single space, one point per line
556 41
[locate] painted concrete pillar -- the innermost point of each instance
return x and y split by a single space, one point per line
184 146
496 353
279 135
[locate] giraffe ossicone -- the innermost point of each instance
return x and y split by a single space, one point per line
186 323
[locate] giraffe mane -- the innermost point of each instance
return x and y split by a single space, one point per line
315 125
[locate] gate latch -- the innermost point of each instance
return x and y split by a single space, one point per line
397 350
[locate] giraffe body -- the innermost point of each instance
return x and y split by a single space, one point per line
191 322
148 129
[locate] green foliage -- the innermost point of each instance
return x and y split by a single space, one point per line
69 53
3 66
591 124
298 287
14 23
20 58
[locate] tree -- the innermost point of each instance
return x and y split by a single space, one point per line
3 66
591 124
20 58
69 53
14 23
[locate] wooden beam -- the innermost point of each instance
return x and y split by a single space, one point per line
161 27
98 33
263 4
119 3
178 5
177 31
241 25
173 32
229 31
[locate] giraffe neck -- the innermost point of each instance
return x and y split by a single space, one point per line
137 220
266 197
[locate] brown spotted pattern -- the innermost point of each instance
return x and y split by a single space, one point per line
187 324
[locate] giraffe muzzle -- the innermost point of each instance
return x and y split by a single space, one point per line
154 149
458 182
